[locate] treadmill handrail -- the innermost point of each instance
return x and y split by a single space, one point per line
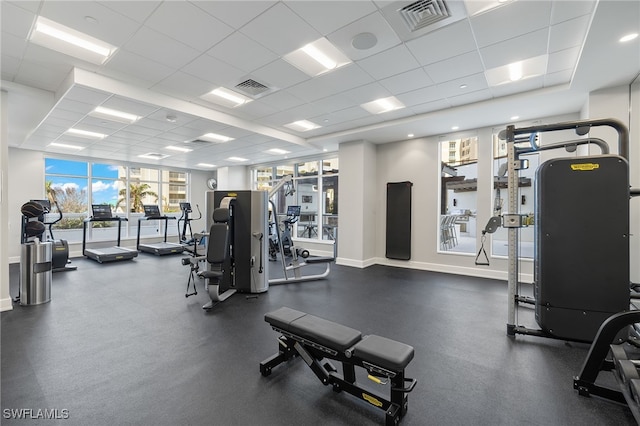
103 219
166 226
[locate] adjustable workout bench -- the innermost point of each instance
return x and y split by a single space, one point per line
316 339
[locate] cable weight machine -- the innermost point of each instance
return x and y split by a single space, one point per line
581 256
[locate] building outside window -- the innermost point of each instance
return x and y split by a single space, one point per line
76 185
316 192
459 189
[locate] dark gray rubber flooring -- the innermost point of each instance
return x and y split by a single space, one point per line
119 344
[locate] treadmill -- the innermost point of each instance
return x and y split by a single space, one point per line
152 212
102 213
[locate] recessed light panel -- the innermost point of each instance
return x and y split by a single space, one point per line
214 137
383 105
516 71
177 148
85 134
206 165
225 97
60 38
66 146
317 58
302 125
153 156
237 159
114 115
277 151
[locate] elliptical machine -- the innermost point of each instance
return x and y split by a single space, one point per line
278 240
60 248
191 244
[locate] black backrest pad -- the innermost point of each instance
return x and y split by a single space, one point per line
218 245
315 329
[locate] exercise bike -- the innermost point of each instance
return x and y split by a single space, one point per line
60 248
283 240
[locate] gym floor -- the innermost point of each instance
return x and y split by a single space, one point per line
120 344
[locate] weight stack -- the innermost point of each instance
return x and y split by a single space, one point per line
581 264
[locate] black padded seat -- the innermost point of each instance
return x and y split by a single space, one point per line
383 352
314 329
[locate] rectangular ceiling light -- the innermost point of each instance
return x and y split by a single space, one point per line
214 137
153 156
55 36
206 165
66 146
177 148
114 115
85 134
226 97
238 159
317 58
383 105
278 151
302 125
517 71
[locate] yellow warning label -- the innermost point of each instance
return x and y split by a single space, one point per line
231 194
372 400
585 167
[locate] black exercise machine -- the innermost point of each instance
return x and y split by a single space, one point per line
317 341
151 213
282 242
102 213
582 205
60 248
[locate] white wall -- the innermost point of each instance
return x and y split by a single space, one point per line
634 159
357 198
5 297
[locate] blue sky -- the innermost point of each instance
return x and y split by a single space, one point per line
105 189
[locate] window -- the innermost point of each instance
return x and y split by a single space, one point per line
76 185
316 192
459 188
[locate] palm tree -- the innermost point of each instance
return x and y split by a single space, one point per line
50 191
137 194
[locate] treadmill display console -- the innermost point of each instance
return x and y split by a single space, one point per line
101 211
151 210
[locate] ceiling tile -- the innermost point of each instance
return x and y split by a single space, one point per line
161 48
242 52
87 96
139 11
563 60
327 16
186 23
184 86
568 34
234 13
456 67
342 79
525 85
215 71
280 74
388 63
469 98
560 77
136 67
511 20
274 28
516 49
407 81
565 10
16 21
444 43
109 26
12 46
374 24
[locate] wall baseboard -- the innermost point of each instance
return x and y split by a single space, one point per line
355 263
6 304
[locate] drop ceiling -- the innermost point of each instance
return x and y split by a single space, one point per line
170 53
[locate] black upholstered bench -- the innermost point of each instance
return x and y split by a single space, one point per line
318 340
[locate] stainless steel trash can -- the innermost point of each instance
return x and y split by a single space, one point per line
35 273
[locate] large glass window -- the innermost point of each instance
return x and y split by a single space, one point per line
67 182
75 185
459 189
316 192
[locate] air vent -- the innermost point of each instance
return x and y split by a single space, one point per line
153 156
414 19
423 13
252 88
199 141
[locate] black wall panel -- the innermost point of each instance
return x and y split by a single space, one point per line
398 239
